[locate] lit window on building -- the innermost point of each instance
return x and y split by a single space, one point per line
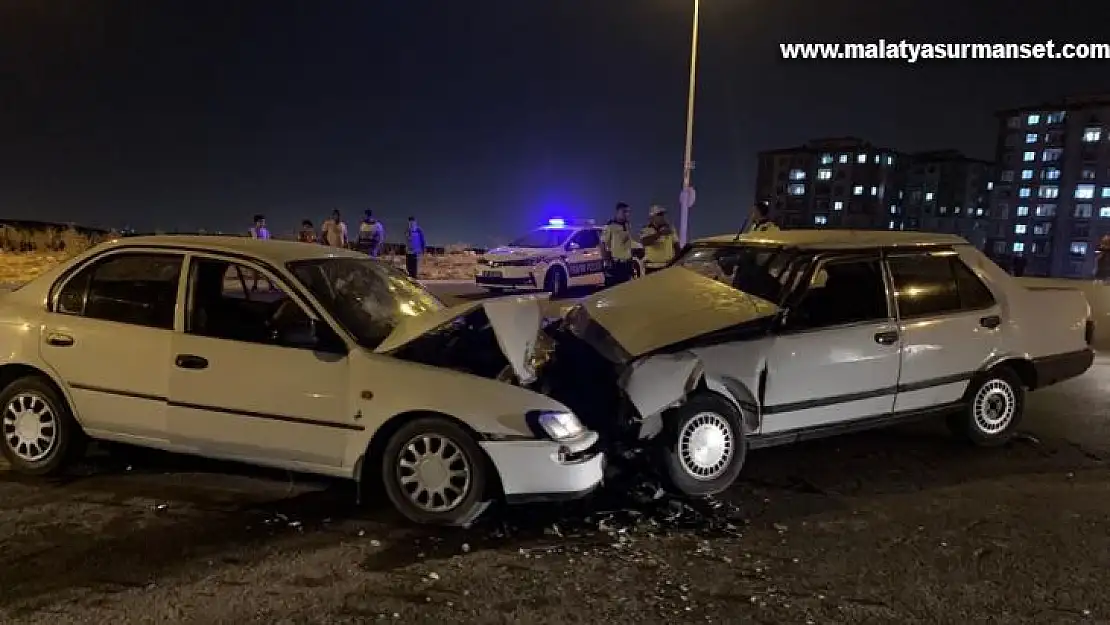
1029 156
1055 118
979 212
1082 211
878 158
862 158
891 226
1042 229
893 209
1092 134
1052 155
1087 174
1027 174
1083 191
889 161
1019 246
1105 192
797 174
1023 211
820 220
1104 212
990 185
929 196
857 190
824 174
1024 192
838 205
1019 229
1078 248
1045 210
826 159
797 189
1031 137
874 190
1033 119
1050 174
1048 192
843 159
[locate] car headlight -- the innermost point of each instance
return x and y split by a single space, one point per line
561 425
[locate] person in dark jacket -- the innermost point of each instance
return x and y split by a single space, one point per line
414 247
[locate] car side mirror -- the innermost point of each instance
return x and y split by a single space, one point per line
572 246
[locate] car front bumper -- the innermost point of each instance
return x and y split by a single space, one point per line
544 470
505 276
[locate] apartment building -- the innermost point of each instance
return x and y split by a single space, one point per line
946 191
1054 184
841 182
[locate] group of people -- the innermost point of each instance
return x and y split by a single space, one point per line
369 239
658 238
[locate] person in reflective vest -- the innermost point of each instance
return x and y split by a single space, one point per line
659 240
759 220
616 247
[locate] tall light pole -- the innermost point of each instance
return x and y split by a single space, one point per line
686 199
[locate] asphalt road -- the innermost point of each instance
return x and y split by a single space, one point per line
895 526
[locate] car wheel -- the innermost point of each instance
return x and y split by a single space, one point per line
555 282
703 445
40 435
434 472
995 404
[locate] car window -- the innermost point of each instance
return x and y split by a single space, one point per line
925 284
974 295
587 239
138 289
757 270
235 302
842 292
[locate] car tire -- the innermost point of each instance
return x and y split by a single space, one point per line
555 282
40 434
432 495
710 466
995 403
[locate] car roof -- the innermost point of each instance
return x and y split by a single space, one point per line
839 239
270 250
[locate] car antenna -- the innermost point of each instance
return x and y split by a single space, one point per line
743 227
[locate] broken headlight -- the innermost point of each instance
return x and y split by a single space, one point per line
560 426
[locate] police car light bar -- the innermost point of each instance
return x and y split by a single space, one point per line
556 221
559 222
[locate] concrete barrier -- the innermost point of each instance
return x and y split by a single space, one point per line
1097 293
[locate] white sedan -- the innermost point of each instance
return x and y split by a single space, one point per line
287 355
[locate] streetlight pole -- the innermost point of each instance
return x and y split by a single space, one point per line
687 197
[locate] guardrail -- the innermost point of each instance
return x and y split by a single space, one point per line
1097 294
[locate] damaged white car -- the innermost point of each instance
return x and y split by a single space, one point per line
771 338
288 355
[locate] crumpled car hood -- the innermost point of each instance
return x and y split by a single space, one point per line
663 309
516 321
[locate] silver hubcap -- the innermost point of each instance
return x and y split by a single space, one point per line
434 473
30 427
994 406
705 446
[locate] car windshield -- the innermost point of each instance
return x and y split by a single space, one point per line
367 297
543 237
759 270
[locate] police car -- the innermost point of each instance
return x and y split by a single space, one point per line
561 254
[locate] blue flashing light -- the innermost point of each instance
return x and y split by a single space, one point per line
558 222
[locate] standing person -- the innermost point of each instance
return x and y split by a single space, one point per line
371 235
307 233
1102 258
414 247
616 247
759 220
659 241
259 230
334 232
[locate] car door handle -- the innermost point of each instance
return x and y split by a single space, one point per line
990 322
59 340
189 361
886 338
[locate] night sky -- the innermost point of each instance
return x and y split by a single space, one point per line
480 117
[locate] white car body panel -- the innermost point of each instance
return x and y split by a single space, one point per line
283 407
